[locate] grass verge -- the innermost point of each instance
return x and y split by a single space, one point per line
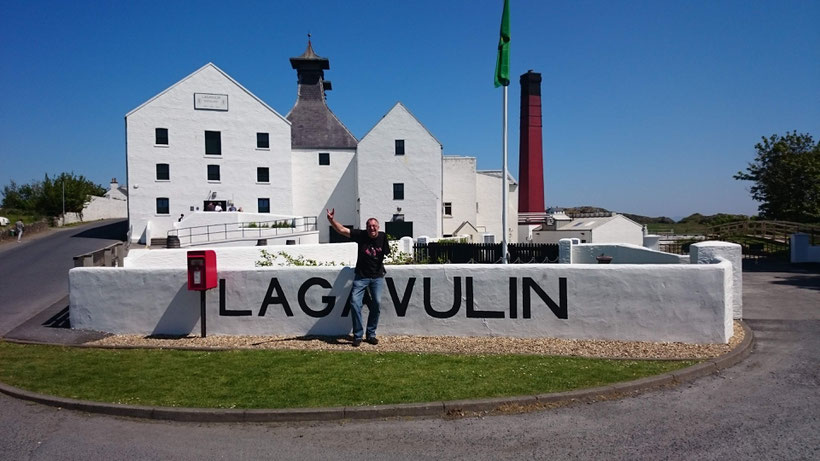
293 379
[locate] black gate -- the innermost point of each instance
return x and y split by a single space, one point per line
484 253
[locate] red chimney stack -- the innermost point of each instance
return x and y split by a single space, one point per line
530 158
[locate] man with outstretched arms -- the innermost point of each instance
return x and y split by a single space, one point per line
373 247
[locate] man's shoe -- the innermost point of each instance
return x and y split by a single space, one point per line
357 342
372 340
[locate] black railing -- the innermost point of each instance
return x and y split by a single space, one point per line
484 253
678 248
756 248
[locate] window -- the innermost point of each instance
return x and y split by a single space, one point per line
163 172
448 208
213 143
262 174
263 205
398 191
213 172
324 158
262 141
400 147
161 136
163 205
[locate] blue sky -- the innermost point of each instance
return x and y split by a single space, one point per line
649 107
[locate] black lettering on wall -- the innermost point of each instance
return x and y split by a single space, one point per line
513 297
329 301
560 310
456 300
223 309
472 313
279 299
400 305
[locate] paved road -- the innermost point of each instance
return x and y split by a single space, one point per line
767 407
34 272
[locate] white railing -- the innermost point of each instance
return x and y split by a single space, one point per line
250 230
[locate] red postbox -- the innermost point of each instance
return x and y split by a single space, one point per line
202 270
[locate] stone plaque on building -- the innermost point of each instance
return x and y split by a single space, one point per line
207 101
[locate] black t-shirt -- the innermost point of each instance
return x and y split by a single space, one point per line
370 260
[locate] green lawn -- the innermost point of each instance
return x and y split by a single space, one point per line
292 379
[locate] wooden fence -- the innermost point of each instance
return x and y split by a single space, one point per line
767 230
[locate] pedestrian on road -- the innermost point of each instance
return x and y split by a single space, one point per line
19 226
373 247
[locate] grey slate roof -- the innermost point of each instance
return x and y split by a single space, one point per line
313 125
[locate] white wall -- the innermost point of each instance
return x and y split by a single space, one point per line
239 257
585 253
419 170
488 193
630 302
317 188
113 204
99 208
185 153
460 190
708 252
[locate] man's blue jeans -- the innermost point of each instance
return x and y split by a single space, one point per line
360 284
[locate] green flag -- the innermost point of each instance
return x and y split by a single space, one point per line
502 63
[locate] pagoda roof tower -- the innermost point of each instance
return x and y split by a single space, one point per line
313 124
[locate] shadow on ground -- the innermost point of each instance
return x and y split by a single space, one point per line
115 231
762 265
804 275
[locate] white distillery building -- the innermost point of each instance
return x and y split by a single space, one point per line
207 143
472 202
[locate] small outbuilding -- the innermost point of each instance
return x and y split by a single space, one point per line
594 229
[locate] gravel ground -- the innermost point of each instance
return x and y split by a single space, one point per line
441 344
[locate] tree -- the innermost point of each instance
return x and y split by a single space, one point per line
46 197
19 197
786 176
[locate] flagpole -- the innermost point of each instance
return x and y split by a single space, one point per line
504 186
502 78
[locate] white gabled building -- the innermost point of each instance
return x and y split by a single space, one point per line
399 169
205 140
594 229
208 141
